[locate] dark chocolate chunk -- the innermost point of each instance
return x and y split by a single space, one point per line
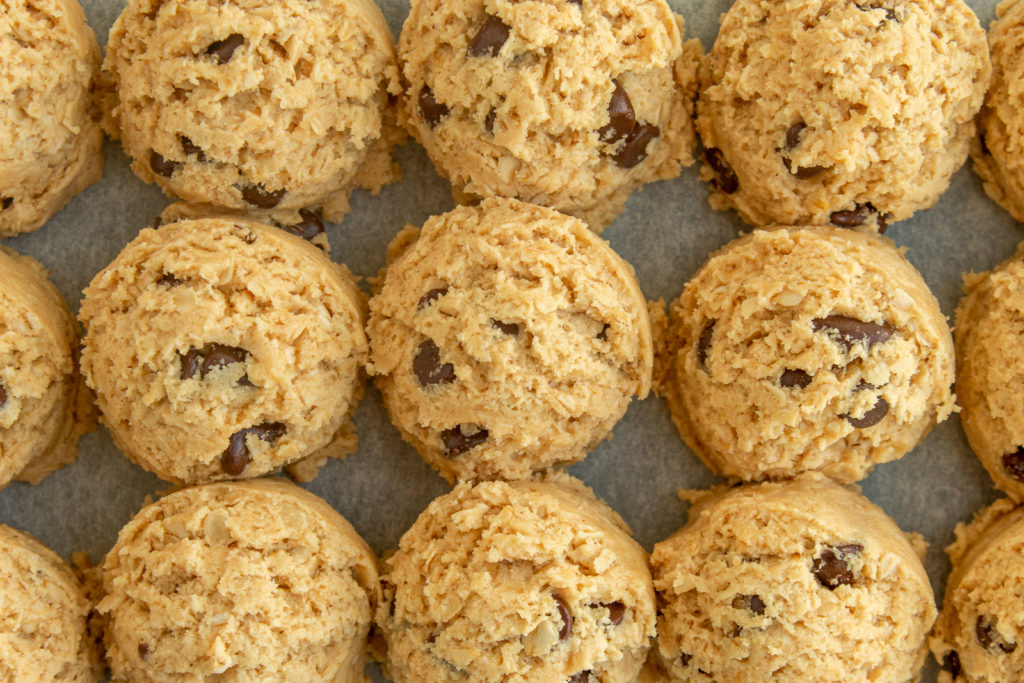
430 297
634 149
260 197
169 280
830 567
488 40
428 366
5 203
223 50
157 222
1013 463
951 663
616 611
581 677
988 636
191 362
851 218
890 14
578 3
143 650
308 227
511 329
603 334
726 182
621 117
795 378
804 172
461 438
489 121
684 659
191 149
219 355
872 417
851 330
162 167
236 457
704 344
795 134
3 396
565 632
431 110
753 603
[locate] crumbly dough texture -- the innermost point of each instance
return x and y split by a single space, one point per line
524 115
811 348
854 113
253 103
514 582
43 615
44 404
756 588
990 370
507 339
179 298
53 143
978 632
239 581
998 151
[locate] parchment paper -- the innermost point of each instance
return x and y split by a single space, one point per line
667 232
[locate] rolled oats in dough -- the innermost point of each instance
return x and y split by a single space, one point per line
305 223
254 103
52 141
800 349
44 404
803 580
571 105
225 348
239 581
514 582
507 338
839 111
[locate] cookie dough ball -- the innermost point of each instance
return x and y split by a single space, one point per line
807 349
990 370
305 223
980 627
53 143
999 149
239 581
44 404
225 348
831 111
572 105
254 103
507 338
798 581
522 581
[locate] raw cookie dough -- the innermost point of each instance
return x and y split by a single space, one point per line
44 404
225 348
52 141
239 581
807 349
515 582
507 339
835 111
255 104
797 581
572 105
990 370
977 634
305 223
998 151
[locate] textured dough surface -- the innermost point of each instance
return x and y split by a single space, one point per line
998 152
523 117
53 144
293 114
990 370
482 583
43 613
305 223
538 330
885 91
239 581
44 404
761 385
295 318
745 596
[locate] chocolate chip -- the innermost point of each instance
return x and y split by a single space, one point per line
143 650
461 438
851 330
795 378
428 366
191 362
1013 463
726 182
488 40
565 632
257 195
988 636
581 677
157 222
753 603
222 50
684 659
308 227
634 150
168 280
804 172
489 121
5 203
951 662
621 117
430 297
3 396
578 3
616 611
236 457
603 334
830 567
192 149
510 329
890 14
431 110
872 417
851 218
795 134
704 344
219 355
162 167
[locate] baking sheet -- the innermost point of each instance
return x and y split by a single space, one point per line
667 232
